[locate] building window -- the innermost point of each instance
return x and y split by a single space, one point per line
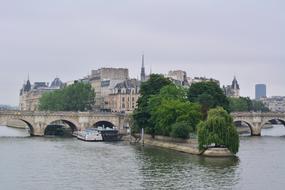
123 99
123 105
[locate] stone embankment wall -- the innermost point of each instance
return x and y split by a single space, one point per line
16 124
187 146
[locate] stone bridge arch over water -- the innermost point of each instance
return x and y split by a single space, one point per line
38 121
256 120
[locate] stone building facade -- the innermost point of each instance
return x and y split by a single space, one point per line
104 81
178 77
31 94
125 96
274 103
232 90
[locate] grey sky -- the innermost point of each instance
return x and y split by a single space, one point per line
212 38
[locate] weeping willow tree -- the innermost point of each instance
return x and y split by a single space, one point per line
218 129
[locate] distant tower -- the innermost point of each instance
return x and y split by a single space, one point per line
235 88
27 86
260 91
232 90
143 70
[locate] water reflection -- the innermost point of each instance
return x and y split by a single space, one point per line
276 130
66 163
166 169
13 132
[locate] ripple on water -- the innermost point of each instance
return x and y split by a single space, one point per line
57 163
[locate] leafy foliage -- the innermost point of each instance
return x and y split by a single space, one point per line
180 130
209 95
172 111
218 129
243 104
258 106
76 97
142 115
166 108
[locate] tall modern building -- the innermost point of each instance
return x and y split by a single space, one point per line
260 91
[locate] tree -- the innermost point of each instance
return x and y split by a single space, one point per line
170 112
180 130
240 104
218 129
142 115
76 97
243 104
171 106
259 106
209 95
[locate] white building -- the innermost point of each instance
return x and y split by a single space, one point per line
275 103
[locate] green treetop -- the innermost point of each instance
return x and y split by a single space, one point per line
209 95
218 129
76 97
243 104
142 115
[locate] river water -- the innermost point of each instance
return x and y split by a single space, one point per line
33 163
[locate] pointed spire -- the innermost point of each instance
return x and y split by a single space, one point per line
142 69
143 60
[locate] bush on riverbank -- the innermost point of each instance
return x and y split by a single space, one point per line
180 130
218 129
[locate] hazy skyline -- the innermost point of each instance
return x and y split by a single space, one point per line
68 39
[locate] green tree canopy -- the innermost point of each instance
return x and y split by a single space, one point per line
171 111
240 104
243 104
170 106
142 115
218 129
258 106
76 97
209 95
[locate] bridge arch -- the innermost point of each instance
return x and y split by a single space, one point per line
52 125
270 120
250 126
27 122
103 123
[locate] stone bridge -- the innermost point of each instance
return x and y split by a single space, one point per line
256 120
38 121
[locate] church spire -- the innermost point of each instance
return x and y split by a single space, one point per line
142 69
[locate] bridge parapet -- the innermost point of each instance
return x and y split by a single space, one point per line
256 120
39 120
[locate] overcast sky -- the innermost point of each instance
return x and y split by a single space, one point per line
212 38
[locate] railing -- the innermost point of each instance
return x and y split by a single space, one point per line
261 114
60 113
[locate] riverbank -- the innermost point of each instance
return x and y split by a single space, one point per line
189 146
16 124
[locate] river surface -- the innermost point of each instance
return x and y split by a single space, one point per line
32 163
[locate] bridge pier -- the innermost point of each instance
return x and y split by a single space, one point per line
256 129
38 130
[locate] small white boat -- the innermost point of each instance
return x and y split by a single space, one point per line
90 135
